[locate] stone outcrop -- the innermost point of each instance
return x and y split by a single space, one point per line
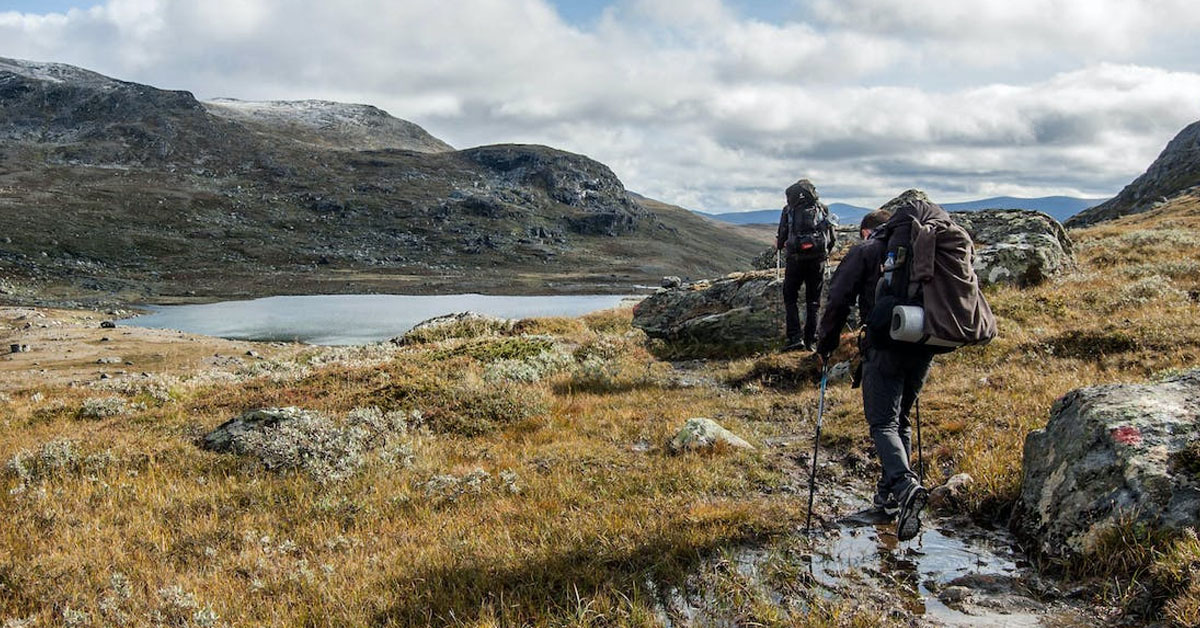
1112 454
742 311
224 437
603 207
1016 246
702 434
1176 169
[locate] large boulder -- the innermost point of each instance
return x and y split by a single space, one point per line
1016 246
739 312
224 437
1111 454
701 434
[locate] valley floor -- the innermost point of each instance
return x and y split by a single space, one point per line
489 474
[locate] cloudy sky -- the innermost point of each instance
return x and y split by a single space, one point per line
711 104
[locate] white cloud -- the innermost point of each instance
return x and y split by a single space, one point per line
691 103
1002 31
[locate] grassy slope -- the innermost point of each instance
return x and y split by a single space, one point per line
603 517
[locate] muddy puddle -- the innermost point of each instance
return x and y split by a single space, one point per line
917 570
954 573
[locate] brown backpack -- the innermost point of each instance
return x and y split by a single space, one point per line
928 293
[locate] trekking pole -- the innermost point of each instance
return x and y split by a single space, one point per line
777 264
920 450
812 476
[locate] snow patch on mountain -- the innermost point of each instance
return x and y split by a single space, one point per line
331 124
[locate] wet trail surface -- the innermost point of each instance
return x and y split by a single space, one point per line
955 573
940 558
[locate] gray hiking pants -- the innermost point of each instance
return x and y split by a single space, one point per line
892 379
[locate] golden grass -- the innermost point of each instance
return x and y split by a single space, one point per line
540 492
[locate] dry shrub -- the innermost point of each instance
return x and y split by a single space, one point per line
1178 573
328 450
549 325
530 369
615 321
103 407
464 328
1149 572
1091 344
793 370
56 459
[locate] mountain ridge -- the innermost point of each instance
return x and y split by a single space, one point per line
1175 170
114 188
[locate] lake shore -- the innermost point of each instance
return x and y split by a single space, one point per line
106 293
70 348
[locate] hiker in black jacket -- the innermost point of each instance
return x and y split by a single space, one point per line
891 379
807 237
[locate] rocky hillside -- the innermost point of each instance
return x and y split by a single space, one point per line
110 189
1175 170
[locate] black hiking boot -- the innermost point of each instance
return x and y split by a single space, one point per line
795 344
912 502
888 504
875 515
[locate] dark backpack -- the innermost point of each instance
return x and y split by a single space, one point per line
809 230
928 293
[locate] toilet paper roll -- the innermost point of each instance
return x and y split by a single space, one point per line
908 323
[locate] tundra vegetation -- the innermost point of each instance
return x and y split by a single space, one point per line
487 475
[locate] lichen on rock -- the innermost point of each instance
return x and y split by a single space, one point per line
1111 455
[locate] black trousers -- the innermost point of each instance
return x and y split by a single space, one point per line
812 275
892 379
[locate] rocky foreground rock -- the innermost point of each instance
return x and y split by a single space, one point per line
743 311
1112 455
224 437
701 434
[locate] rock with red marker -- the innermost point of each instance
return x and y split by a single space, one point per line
1111 454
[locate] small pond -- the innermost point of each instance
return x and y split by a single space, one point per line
351 319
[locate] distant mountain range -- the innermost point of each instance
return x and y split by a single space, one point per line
1059 207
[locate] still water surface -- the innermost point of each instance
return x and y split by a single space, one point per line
351 319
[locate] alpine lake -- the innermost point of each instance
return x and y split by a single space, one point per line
351 319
